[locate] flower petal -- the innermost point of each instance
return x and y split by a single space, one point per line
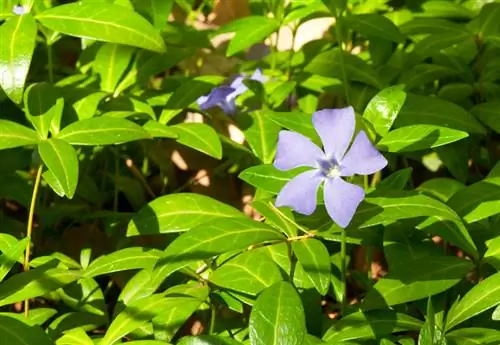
295 150
335 128
341 200
362 158
215 97
300 192
258 76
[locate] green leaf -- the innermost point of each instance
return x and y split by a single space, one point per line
158 130
207 340
17 44
396 181
373 25
278 317
200 137
249 30
423 74
102 131
419 137
75 336
138 314
178 213
483 296
441 188
61 159
156 11
123 260
103 22
434 111
336 63
383 109
280 218
267 177
492 255
10 256
488 113
474 335
422 278
16 332
261 134
314 258
34 283
210 239
111 62
43 107
14 135
370 325
295 121
248 273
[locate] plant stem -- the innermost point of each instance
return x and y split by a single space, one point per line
213 314
29 230
343 271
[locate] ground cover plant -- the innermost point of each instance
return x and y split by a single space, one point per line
195 172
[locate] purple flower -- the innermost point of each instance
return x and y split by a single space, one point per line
335 128
19 10
224 96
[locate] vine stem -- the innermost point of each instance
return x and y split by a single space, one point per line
29 230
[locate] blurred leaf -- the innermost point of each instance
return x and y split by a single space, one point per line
474 335
76 336
158 130
16 332
61 159
103 22
383 109
102 131
156 11
373 25
488 113
200 137
278 317
17 44
11 256
419 137
207 340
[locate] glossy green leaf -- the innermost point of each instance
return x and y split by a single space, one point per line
61 159
85 295
102 131
123 260
16 332
158 130
10 256
396 181
207 340
249 30
483 296
261 134
34 283
337 64
267 177
314 258
295 121
383 109
178 213
200 137
110 63
278 317
138 314
43 106
13 135
248 273
423 278
214 238
281 218
434 111
17 44
441 188
103 22
488 114
374 25
76 336
473 336
419 137
370 325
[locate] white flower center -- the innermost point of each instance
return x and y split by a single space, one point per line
334 171
329 168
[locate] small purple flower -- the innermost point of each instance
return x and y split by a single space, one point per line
224 96
19 10
335 127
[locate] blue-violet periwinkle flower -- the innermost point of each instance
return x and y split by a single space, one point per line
224 96
335 128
